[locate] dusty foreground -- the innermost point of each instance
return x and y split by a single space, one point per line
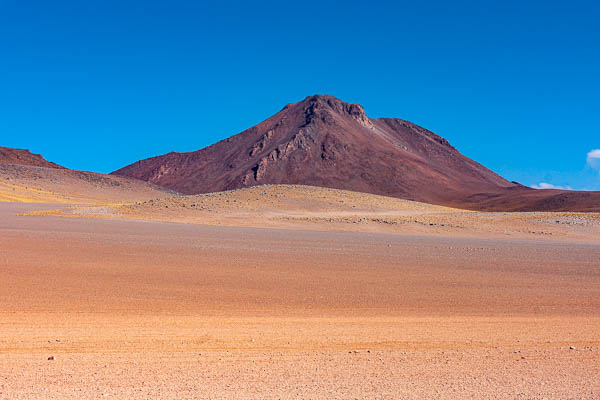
157 310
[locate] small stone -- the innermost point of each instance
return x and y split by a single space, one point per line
571 347
51 358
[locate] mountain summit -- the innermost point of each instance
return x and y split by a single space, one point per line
323 141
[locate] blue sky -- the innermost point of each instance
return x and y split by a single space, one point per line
96 85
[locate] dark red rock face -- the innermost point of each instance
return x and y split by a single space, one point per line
322 141
24 157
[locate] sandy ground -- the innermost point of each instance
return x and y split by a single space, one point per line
318 307
312 208
29 184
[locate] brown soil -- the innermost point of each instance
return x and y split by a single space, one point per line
300 293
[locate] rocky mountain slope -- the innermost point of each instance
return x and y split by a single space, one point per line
323 141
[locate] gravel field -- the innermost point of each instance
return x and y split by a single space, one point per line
136 310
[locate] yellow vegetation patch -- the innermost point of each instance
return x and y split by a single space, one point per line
38 213
28 194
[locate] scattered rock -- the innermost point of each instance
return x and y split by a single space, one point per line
51 358
571 347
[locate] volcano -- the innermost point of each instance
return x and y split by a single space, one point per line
323 141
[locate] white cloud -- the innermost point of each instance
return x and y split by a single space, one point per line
593 159
545 185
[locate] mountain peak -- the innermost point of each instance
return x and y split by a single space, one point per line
323 141
326 108
328 101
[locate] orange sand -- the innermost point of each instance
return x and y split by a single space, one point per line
317 307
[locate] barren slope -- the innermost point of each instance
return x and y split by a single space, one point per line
24 183
24 157
322 141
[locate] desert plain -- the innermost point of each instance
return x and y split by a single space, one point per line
284 291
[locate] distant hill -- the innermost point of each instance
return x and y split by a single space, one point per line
24 157
323 141
27 177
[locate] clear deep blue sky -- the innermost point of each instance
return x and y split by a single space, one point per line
96 85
